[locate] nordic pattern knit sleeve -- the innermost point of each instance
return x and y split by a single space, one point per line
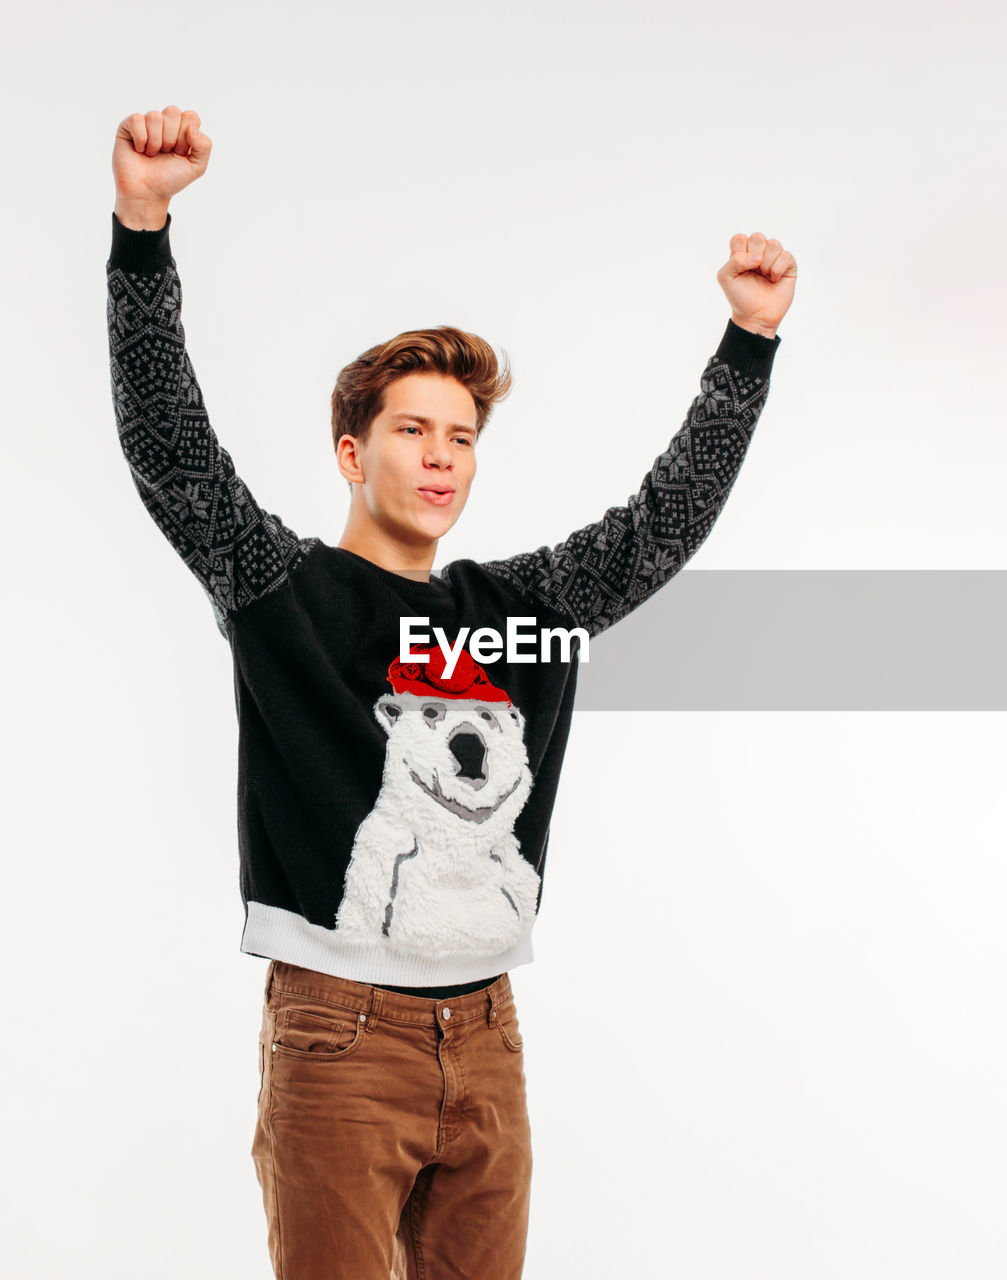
600 573
185 478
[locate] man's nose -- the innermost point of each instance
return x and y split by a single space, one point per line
438 455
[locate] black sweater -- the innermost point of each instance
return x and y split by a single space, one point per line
394 806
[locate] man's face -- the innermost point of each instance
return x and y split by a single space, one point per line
423 440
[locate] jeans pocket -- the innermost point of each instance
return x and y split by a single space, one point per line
265 1040
316 1034
508 1025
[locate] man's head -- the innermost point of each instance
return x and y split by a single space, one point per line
406 415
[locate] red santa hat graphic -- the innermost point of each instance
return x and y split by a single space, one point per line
427 679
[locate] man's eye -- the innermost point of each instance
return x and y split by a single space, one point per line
464 440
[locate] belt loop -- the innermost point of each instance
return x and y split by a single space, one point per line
269 979
375 1010
491 1012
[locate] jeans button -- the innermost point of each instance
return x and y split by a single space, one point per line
446 1012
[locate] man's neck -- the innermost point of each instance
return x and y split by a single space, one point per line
410 561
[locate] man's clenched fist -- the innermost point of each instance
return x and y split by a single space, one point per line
758 280
154 156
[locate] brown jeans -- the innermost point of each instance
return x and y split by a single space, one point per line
392 1140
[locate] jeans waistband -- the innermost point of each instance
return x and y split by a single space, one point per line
377 1003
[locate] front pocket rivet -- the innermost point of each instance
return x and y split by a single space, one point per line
274 1048
363 1017
493 1014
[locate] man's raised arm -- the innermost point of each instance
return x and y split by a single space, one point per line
603 571
185 478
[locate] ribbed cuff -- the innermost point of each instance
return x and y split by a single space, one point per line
748 352
144 251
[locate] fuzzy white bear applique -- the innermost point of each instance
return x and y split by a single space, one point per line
435 867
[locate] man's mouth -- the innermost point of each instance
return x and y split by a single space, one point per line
440 494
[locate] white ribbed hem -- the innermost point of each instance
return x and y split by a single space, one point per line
284 935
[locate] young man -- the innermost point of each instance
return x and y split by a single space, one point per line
398 762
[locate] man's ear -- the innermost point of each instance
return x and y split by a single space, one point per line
348 458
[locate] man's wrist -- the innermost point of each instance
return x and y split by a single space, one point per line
142 215
743 322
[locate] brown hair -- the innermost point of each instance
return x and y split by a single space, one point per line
359 394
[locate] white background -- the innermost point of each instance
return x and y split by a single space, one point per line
765 1029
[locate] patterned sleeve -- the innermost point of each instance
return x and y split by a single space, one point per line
602 572
185 479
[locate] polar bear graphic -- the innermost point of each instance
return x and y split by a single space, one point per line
435 867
